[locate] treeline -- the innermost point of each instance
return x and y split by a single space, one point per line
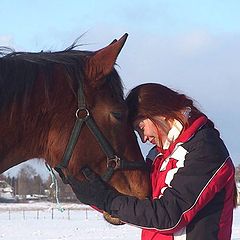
237 173
29 182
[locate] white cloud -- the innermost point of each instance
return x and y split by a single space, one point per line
195 42
6 40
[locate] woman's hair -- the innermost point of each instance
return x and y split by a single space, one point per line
151 100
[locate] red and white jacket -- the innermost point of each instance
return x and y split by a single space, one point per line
192 190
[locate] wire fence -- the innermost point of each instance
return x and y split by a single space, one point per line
52 213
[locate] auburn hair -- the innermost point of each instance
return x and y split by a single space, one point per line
150 100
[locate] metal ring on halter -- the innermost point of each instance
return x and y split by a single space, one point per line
114 162
82 113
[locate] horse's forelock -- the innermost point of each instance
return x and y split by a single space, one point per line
115 84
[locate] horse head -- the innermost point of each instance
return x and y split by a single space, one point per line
71 112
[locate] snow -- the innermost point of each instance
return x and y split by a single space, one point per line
43 221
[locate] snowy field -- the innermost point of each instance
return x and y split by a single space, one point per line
43 221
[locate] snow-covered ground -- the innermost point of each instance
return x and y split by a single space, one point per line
42 221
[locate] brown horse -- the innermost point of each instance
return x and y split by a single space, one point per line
45 95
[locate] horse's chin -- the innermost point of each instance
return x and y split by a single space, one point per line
112 220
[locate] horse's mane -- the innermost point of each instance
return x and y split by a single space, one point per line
19 71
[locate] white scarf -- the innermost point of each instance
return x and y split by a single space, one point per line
173 133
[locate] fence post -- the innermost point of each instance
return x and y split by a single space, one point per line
68 214
24 214
9 215
86 213
52 213
37 214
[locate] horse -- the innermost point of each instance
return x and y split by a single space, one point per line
67 107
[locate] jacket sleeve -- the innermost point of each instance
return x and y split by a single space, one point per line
207 168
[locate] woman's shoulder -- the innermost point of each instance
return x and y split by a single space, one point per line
207 141
206 132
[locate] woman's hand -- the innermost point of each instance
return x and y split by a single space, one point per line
93 191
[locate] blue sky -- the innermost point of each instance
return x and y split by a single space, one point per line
190 46
31 24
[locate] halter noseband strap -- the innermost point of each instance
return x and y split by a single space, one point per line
113 161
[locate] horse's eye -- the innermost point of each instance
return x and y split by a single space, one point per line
117 115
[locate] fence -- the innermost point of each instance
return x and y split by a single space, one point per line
51 213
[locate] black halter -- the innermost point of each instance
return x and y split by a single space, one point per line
113 161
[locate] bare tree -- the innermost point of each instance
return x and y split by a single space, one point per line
25 180
237 173
64 191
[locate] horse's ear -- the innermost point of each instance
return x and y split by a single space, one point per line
115 40
101 62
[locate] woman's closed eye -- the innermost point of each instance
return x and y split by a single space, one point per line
141 126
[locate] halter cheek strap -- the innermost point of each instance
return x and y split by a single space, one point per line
113 162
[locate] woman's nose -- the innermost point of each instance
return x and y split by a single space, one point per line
144 139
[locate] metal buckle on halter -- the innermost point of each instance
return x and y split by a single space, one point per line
114 162
82 113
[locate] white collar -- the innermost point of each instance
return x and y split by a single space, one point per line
173 133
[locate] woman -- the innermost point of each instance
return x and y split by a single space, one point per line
192 174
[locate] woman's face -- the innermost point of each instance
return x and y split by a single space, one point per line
148 131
